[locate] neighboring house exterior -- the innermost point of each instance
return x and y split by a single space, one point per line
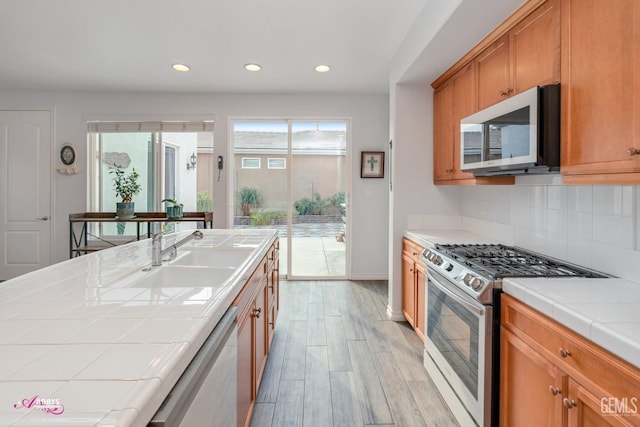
318 165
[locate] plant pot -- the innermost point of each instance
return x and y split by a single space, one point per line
125 210
174 212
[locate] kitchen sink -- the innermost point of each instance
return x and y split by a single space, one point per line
181 276
215 258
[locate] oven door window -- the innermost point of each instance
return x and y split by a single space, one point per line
455 332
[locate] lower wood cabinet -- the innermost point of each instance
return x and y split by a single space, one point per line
551 376
414 280
258 305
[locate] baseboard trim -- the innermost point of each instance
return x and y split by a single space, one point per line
369 277
396 316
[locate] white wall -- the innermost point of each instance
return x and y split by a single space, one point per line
370 130
413 192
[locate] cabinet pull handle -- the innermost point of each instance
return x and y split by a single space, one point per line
564 353
569 403
632 151
554 390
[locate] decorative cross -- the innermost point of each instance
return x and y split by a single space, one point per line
372 162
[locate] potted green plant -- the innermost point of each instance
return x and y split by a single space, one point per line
173 208
126 186
249 197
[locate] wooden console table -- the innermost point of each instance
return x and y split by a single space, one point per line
79 230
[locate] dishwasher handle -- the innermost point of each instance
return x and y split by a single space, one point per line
179 399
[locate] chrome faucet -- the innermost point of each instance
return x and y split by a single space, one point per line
158 254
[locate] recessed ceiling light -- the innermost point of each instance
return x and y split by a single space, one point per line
252 67
181 67
322 68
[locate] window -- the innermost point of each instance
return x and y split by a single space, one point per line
277 163
160 152
250 163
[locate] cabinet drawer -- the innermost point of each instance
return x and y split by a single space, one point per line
574 354
412 248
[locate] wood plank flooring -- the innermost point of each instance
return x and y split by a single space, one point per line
336 361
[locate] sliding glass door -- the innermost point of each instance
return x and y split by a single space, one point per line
293 175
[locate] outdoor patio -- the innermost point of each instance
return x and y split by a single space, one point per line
316 250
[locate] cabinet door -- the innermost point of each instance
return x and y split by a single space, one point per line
601 81
260 316
443 139
421 284
408 289
463 100
586 410
494 82
531 388
535 48
245 368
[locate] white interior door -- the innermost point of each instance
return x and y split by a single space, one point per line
25 187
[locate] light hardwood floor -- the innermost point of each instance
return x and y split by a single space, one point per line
336 360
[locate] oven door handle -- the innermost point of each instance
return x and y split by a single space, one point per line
458 298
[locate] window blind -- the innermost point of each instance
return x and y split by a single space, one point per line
169 126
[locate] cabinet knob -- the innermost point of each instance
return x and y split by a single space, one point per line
632 151
256 313
564 353
554 390
569 403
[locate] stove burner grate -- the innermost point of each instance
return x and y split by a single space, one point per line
499 261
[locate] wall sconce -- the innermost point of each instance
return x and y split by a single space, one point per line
192 161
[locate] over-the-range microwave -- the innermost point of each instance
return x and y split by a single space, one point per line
516 136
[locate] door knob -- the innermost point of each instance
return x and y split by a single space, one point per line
43 218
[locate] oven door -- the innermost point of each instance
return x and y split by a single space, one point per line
459 340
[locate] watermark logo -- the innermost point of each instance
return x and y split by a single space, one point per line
619 406
49 405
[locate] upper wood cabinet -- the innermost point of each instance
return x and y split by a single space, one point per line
528 55
453 101
601 91
524 51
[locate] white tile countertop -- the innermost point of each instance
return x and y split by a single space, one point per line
85 343
605 311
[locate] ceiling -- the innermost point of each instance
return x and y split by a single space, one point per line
125 45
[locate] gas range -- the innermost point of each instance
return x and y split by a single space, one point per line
462 339
478 269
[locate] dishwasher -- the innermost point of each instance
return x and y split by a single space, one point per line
206 393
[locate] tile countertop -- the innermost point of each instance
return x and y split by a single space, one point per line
605 311
95 351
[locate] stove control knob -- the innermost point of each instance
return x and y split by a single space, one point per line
467 279
476 283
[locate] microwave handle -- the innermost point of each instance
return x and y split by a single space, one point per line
471 307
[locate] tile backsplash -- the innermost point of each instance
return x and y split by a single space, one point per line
594 226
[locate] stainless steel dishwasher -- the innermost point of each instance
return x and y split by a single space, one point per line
206 393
